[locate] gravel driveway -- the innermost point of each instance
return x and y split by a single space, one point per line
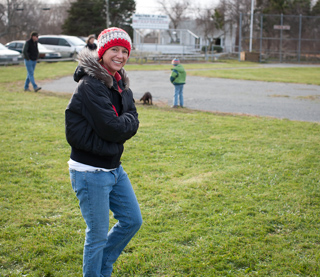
280 100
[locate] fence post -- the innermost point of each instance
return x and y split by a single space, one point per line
212 47
261 33
206 53
240 27
299 45
281 39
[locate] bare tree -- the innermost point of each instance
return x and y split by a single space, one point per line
177 12
205 21
18 18
7 10
230 11
53 20
210 20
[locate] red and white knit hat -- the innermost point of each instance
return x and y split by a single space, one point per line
113 37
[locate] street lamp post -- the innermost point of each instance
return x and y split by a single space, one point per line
107 13
251 25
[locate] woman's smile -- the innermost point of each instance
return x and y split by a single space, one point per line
115 58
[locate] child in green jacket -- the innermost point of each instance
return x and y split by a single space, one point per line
178 79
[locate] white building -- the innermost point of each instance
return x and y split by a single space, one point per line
188 39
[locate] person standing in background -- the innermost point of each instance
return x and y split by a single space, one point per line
178 79
31 53
90 43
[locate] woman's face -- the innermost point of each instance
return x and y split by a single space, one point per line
91 40
115 58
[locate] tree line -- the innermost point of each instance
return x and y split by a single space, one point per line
226 13
18 18
83 17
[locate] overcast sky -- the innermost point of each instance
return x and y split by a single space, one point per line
152 7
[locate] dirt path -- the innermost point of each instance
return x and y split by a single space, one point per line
280 100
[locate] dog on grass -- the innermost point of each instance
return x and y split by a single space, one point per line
147 98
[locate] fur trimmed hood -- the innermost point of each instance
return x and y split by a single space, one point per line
88 61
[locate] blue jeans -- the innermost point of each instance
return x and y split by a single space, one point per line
178 93
30 65
97 192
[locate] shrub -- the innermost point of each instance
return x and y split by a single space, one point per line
215 48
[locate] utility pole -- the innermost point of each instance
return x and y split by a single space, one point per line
251 25
107 13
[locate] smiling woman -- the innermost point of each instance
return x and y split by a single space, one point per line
100 118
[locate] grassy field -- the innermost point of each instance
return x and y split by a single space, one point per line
304 75
54 70
220 195
223 69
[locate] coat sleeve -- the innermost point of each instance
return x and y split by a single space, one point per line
25 51
174 75
98 111
131 109
80 135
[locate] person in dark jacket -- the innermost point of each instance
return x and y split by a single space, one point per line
30 52
100 117
90 43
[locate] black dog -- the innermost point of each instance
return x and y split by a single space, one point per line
147 98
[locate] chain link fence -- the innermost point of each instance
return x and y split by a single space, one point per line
279 38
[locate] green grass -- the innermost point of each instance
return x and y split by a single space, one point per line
220 195
43 71
224 69
192 66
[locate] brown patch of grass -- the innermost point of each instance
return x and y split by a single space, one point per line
310 97
278 95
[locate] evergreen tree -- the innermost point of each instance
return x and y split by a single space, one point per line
89 16
316 9
289 7
121 12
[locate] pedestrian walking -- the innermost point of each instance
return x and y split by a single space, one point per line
100 117
31 53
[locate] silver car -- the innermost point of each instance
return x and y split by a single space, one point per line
8 56
44 53
68 46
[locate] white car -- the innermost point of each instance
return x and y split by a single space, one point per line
44 53
68 46
8 56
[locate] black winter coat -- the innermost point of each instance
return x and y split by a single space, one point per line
99 119
30 50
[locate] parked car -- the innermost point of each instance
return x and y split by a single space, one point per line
68 46
44 53
16 45
8 56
